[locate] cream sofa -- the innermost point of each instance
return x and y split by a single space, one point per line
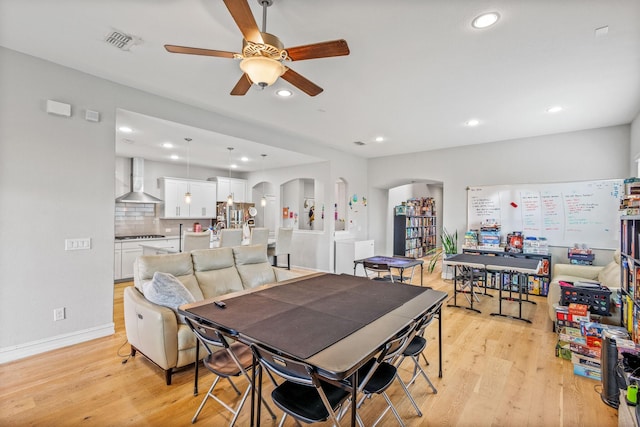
608 275
155 331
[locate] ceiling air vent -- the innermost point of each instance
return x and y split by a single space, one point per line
122 40
358 142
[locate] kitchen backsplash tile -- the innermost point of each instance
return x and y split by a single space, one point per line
140 218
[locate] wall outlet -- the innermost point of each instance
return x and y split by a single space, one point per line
167 230
58 314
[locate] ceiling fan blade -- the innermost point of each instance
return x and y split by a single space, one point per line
302 83
241 13
198 51
242 87
319 50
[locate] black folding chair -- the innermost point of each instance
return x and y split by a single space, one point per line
377 375
225 360
381 270
414 350
302 395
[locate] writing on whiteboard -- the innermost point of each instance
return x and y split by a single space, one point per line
564 213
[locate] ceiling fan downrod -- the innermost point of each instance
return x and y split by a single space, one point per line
265 4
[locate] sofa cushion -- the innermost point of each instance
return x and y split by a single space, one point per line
253 265
179 265
216 272
165 290
610 275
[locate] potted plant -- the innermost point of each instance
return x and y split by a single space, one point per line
449 246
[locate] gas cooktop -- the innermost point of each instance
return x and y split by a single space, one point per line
140 237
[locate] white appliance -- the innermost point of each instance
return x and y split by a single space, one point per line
348 250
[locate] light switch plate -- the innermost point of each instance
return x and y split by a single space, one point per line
77 244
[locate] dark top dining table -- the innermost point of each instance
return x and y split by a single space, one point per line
335 323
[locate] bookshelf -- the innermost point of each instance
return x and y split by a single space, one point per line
414 228
630 274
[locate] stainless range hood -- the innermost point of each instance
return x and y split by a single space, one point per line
137 194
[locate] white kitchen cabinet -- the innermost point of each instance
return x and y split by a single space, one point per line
235 186
349 250
203 198
130 251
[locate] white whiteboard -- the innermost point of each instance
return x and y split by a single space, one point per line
565 213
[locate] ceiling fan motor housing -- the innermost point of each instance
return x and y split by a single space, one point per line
271 48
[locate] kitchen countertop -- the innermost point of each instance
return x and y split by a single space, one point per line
153 249
146 239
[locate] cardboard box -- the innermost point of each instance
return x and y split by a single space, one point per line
587 372
585 350
579 309
589 362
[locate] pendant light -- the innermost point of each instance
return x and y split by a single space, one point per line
187 195
230 198
263 201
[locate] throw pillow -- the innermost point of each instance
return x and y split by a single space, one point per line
166 290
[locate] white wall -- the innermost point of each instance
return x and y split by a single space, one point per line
57 182
635 147
576 156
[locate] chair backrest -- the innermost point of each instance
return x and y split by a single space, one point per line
286 367
195 240
391 349
399 342
230 237
207 335
259 236
216 340
283 241
377 267
426 319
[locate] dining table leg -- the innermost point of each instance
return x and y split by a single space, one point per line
354 395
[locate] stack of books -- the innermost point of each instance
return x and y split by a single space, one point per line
580 255
489 235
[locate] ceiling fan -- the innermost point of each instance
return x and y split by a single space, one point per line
263 54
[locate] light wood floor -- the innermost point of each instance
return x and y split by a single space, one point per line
497 372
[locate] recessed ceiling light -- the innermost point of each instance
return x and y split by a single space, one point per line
167 145
244 158
472 122
485 20
379 139
285 93
554 109
125 129
174 157
234 166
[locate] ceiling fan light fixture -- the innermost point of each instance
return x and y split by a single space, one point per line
262 70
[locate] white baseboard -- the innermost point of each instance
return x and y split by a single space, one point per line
20 351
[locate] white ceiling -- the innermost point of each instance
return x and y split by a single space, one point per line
417 69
